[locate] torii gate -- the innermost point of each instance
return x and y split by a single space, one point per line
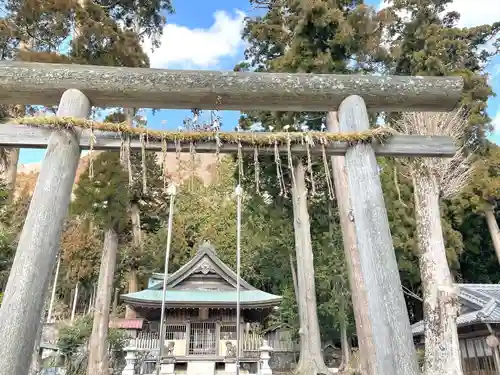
75 88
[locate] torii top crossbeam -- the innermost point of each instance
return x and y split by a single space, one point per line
43 84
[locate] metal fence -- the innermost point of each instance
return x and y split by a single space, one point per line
202 338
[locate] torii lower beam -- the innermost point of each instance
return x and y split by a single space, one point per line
24 136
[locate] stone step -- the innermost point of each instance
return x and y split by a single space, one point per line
200 368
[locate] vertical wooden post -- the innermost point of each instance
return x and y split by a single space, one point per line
188 336
75 300
114 310
217 338
38 246
394 352
356 281
54 288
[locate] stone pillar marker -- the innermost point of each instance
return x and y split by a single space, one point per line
265 356
130 359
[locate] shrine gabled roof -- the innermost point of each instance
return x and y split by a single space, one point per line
204 261
205 252
480 303
203 298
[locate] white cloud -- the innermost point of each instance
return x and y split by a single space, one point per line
477 12
472 12
496 123
494 70
199 48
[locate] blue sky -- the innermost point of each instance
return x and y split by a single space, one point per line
206 35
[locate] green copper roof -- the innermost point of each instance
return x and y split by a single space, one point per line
205 262
203 297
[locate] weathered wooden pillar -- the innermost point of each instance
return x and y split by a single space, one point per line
38 246
356 281
394 352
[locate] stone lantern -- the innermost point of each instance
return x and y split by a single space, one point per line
265 356
130 360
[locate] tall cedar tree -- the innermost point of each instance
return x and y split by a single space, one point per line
320 37
147 208
148 211
105 199
426 42
483 195
99 40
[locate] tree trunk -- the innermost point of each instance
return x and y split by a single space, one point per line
442 352
301 307
356 281
10 172
54 289
311 358
294 277
10 168
133 286
114 312
91 301
75 301
136 224
98 353
345 346
133 282
493 228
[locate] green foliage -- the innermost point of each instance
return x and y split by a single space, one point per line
104 197
484 190
4 193
117 339
311 37
429 43
10 221
152 202
47 27
208 213
332 283
287 312
7 252
102 41
13 214
73 336
81 248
